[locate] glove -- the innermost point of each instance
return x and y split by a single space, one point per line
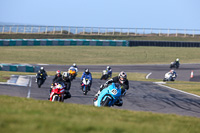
105 85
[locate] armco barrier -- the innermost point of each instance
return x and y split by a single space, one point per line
18 68
62 42
164 43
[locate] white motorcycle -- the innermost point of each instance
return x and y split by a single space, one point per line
85 85
169 77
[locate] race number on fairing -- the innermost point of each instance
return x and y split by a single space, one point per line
114 91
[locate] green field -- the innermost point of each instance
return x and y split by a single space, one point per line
21 115
86 55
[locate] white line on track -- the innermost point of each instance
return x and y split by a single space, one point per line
29 87
178 90
148 75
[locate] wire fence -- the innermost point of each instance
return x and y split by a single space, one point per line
106 31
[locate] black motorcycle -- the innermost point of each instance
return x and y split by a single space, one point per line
40 79
105 75
174 64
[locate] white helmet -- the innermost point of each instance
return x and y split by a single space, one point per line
74 64
65 75
41 68
177 59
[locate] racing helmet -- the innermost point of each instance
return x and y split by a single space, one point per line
108 68
172 71
177 59
87 71
122 76
41 68
74 64
58 72
65 75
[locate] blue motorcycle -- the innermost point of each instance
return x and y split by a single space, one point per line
108 96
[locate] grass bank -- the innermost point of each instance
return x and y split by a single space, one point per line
86 55
58 36
21 115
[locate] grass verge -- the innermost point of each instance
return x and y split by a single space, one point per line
87 55
21 115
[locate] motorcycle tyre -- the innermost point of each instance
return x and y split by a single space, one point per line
105 103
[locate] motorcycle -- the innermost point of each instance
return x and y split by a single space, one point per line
105 75
108 96
72 73
169 77
57 93
85 85
174 65
40 79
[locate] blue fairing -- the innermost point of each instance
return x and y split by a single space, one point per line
112 92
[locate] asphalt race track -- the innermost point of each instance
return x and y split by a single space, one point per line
142 96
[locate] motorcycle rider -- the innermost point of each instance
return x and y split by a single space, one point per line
87 75
76 69
109 71
67 82
173 73
43 72
177 62
122 80
58 76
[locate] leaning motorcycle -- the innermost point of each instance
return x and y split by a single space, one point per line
40 79
85 85
108 96
174 65
72 73
105 75
169 77
57 93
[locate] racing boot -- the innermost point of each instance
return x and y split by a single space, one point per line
67 94
119 102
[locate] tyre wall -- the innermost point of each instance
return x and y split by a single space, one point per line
62 42
164 43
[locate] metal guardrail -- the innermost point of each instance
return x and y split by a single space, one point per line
107 31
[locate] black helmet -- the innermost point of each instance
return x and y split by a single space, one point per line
87 71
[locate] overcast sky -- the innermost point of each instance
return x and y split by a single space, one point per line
178 14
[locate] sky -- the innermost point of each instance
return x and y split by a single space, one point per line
172 14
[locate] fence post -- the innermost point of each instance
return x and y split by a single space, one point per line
31 29
24 29
176 32
46 30
17 30
61 31
98 31
193 32
54 30
10 29
168 33
69 31
83 30
3 30
114 31
185 33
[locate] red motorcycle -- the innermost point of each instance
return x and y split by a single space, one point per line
57 93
